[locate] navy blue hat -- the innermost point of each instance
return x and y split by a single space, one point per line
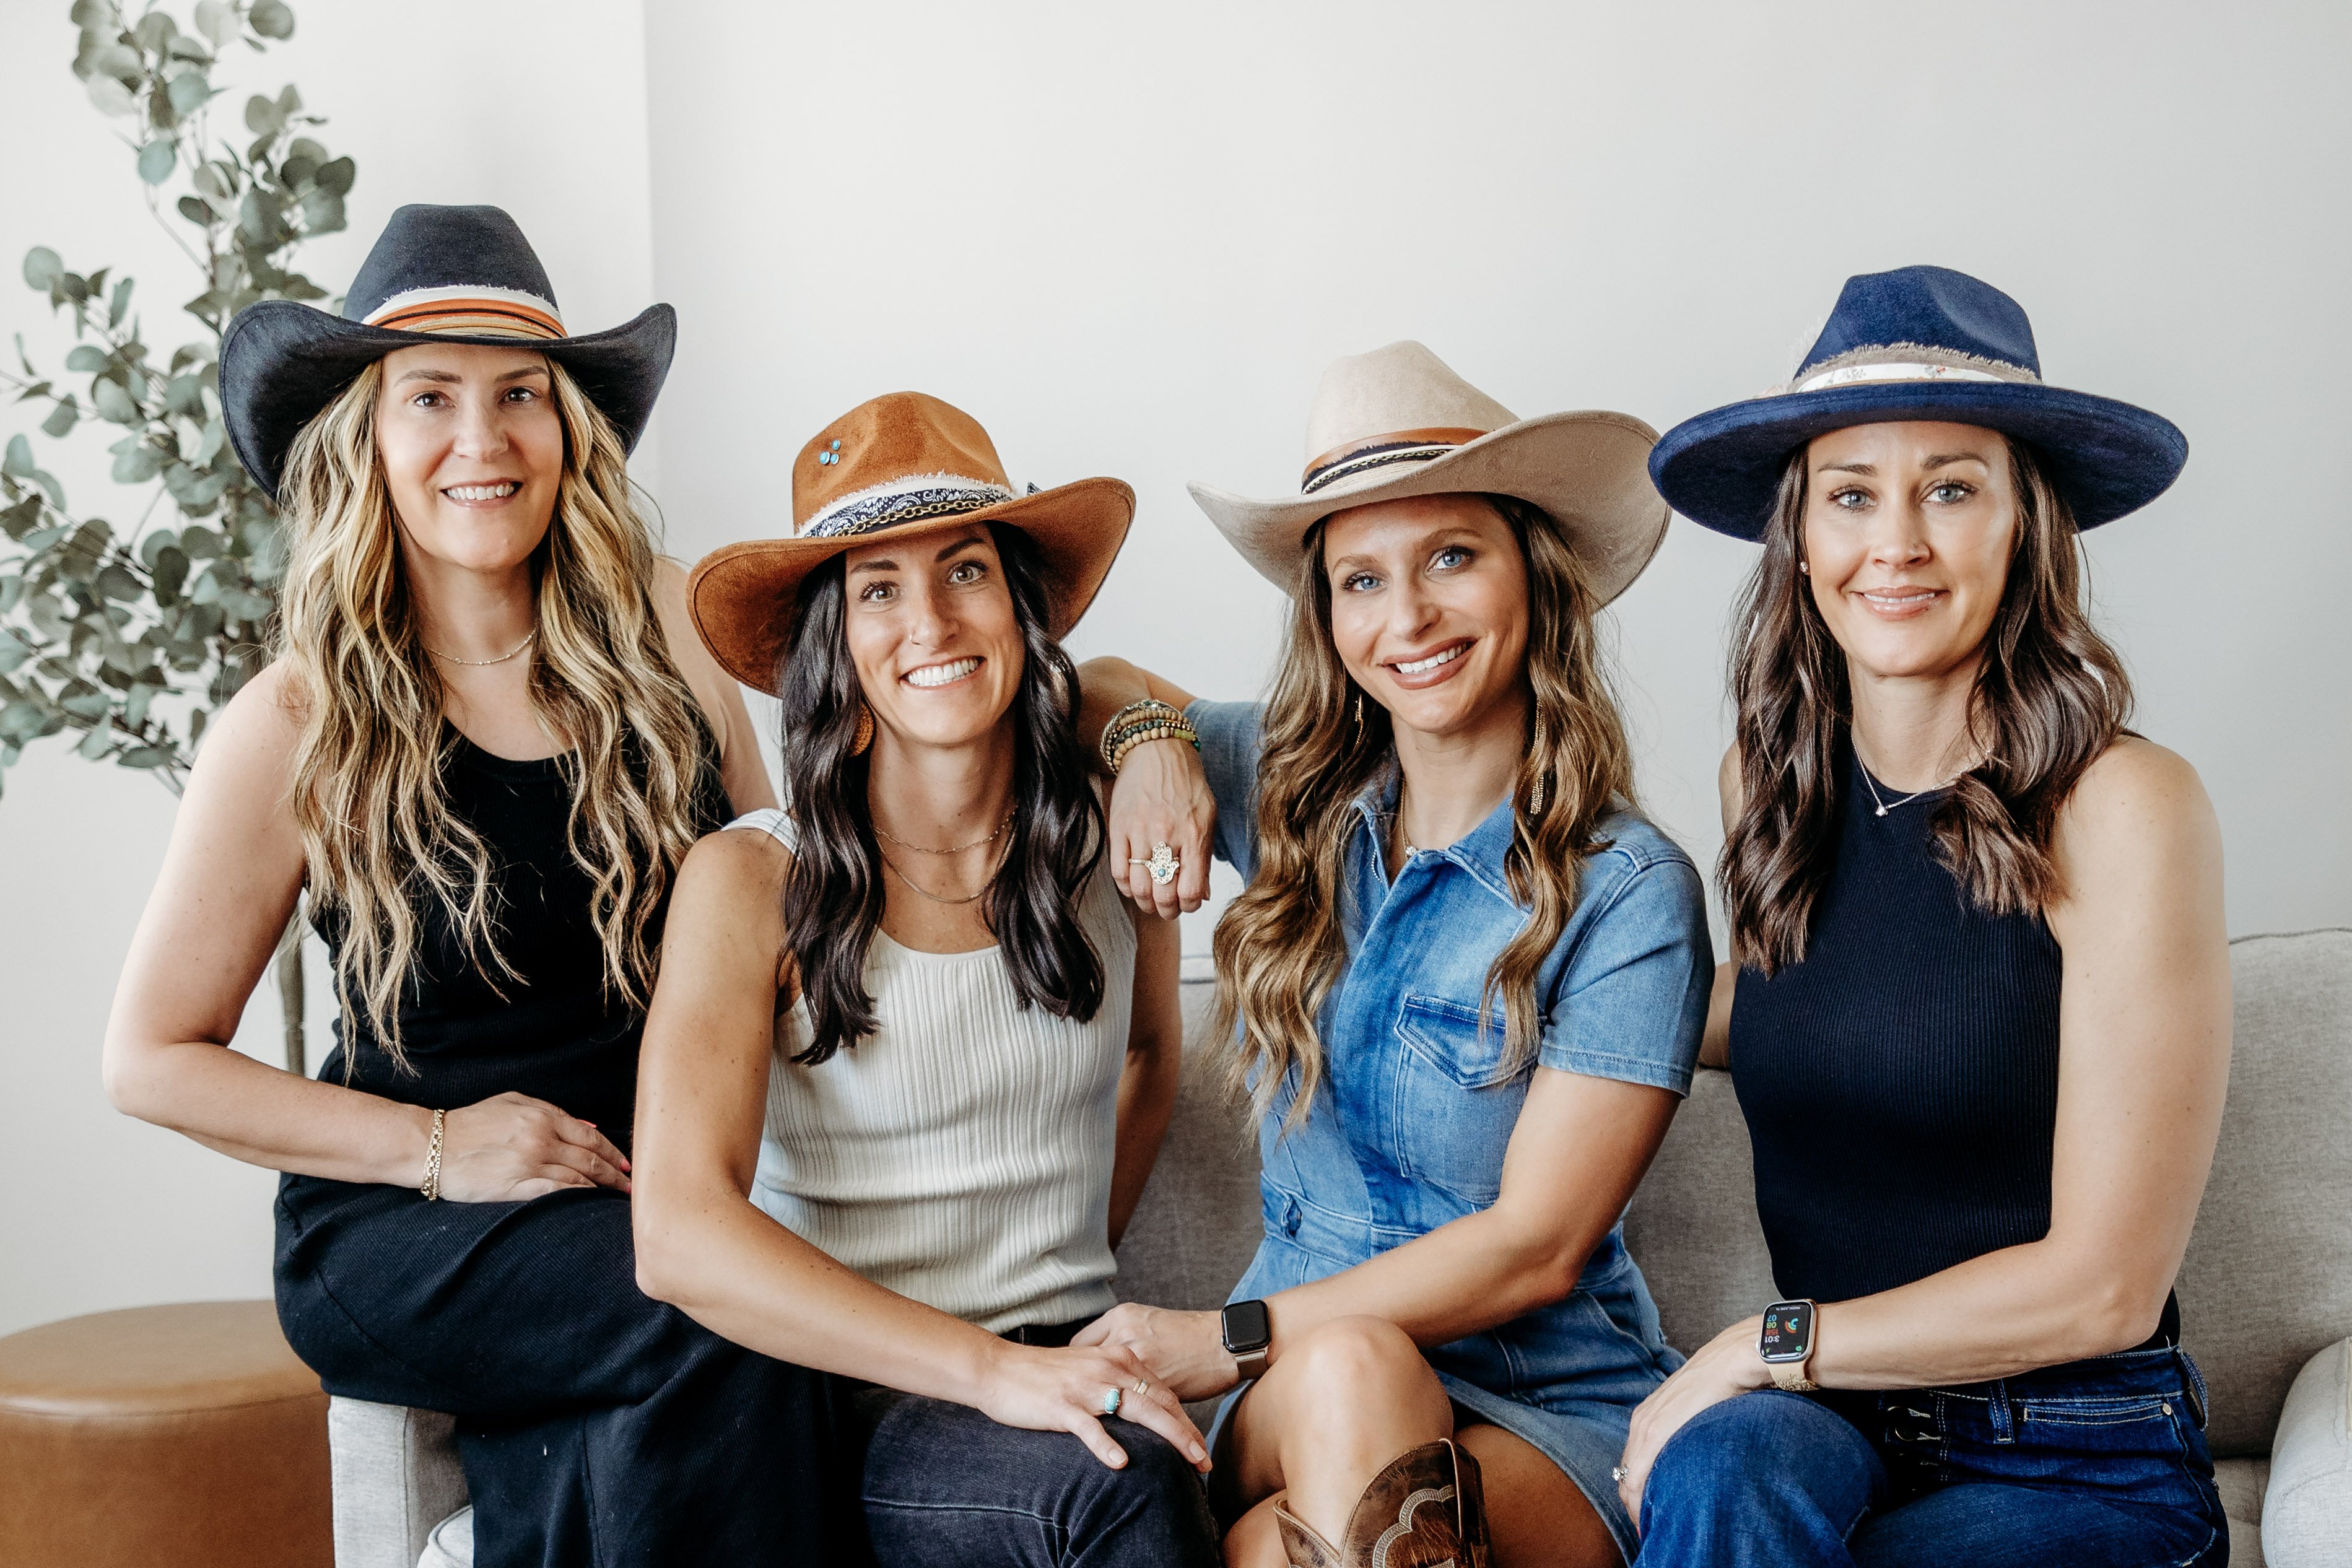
1924 343
462 275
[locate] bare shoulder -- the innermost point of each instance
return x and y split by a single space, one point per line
1726 786
252 743
2137 791
735 865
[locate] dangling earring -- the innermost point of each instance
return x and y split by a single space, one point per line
864 736
1360 715
1536 795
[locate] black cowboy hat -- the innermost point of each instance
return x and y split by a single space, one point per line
436 274
1919 344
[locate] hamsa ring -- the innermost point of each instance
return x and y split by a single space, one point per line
1163 865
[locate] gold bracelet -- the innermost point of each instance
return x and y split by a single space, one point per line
432 1184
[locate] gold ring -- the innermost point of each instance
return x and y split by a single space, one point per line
1142 1387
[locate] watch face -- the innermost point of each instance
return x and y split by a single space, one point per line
1788 1331
1248 1327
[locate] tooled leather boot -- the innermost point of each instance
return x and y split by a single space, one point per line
1424 1510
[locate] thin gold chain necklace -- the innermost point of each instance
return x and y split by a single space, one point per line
480 663
986 883
957 850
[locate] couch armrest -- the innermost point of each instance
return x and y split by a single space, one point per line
395 1475
2307 1510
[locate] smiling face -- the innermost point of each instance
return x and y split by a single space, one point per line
1429 609
472 449
931 626
1908 532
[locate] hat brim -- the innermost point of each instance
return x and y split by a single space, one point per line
740 596
1722 470
282 362
1587 469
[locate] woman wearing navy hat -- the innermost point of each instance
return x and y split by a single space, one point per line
1977 1014
486 741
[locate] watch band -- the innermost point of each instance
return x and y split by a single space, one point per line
1790 1367
1791 1375
1251 1362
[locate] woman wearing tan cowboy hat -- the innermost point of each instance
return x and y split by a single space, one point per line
922 983
1464 983
485 742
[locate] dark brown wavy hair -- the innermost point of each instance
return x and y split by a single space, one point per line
832 891
2051 698
1279 948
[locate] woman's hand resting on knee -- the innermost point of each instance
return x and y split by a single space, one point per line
1184 1349
1725 1368
510 1147
1062 1389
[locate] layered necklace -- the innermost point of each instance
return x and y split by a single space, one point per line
986 882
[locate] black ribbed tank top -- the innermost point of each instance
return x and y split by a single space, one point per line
1901 1083
555 1034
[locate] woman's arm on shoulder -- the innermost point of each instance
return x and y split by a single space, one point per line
1155 1064
1162 796
740 767
230 879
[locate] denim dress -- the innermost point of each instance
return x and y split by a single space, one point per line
1408 1129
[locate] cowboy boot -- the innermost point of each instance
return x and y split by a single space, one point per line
1425 1510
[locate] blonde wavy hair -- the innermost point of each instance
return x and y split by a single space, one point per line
1279 947
367 797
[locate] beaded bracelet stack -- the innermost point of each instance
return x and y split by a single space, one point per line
1150 719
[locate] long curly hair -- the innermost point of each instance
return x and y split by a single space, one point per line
2051 698
1279 947
833 889
378 840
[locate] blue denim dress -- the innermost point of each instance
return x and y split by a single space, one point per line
1407 1130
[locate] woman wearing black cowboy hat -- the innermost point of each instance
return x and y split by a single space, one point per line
486 744
1979 1010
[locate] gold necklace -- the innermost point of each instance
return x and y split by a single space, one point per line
957 850
935 898
480 663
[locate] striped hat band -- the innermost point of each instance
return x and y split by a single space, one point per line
471 310
1380 451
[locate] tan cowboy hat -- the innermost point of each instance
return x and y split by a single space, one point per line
899 465
1397 422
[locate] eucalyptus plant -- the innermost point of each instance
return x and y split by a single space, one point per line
127 637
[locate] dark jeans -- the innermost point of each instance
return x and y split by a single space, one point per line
597 1426
948 1488
2097 1464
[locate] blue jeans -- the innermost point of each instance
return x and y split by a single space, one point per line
2097 1464
946 1488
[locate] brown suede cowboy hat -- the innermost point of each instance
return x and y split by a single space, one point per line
902 464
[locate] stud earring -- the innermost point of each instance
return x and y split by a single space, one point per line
864 736
1806 567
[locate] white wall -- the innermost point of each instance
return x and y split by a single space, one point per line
1127 238
100 1211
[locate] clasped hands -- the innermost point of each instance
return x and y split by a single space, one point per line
1185 1350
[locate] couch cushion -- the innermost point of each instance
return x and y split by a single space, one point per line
2268 1279
2306 1518
1197 1223
1692 1226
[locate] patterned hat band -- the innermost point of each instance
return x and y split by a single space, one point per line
908 500
1380 451
1908 362
472 310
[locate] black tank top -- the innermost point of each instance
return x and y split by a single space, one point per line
555 1034
1901 1083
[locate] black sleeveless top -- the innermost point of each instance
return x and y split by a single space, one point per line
552 1032
1901 1083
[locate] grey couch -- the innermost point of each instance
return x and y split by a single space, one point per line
2266 1292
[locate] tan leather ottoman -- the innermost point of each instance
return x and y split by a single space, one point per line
179 1436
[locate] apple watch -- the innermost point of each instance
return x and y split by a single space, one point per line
1248 1333
1786 1344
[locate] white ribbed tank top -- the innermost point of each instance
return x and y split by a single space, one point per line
959 1155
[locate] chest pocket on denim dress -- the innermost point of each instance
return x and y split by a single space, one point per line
1455 1102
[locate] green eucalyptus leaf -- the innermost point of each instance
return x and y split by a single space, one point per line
201 543
160 113
271 18
289 102
101 735
261 116
158 159
148 757
216 181
118 307
323 211
21 720
18 463
111 97
13 651
137 465
194 209
92 16
169 569
155 32
215 437
307 150
185 47
153 544
190 91
121 63
43 268
62 418
114 403
18 522
337 176
120 582
217 20
86 359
